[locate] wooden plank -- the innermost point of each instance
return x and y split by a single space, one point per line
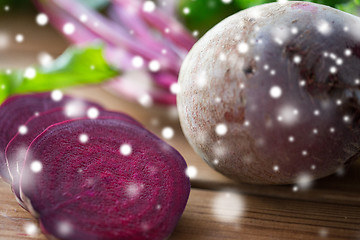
227 215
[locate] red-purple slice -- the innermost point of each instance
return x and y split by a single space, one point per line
15 111
104 179
16 149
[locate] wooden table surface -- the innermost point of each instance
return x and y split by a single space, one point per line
218 208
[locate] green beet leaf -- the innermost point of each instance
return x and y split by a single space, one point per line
75 66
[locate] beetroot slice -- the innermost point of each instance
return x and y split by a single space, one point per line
14 112
94 190
16 149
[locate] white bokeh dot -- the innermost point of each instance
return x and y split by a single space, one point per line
348 52
221 129
36 166
186 10
83 138
19 38
243 47
333 69
31 229
45 59
275 92
57 95
23 130
42 19
69 28
297 59
145 100
175 88
93 113
137 61
191 171
294 30
324 27
125 149
83 18
30 73
346 118
149 6
167 132
154 66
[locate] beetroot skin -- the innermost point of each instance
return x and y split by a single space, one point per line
15 111
104 179
271 94
16 149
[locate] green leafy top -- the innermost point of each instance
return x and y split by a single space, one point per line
350 6
74 67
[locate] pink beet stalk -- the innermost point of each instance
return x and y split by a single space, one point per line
109 30
131 41
170 27
60 18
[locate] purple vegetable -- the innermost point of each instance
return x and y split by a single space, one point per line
16 149
104 179
15 111
271 94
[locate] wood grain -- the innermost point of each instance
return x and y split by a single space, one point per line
226 215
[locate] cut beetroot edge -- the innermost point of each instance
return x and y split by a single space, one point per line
18 145
16 110
137 196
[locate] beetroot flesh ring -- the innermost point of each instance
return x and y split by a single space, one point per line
15 111
92 190
16 149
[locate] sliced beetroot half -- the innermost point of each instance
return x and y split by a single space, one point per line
16 149
15 111
104 179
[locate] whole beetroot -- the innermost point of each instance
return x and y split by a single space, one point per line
271 94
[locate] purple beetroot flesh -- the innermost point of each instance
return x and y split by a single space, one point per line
16 149
271 94
14 112
118 182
